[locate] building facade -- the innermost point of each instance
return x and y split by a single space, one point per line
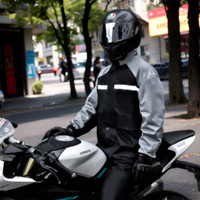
17 67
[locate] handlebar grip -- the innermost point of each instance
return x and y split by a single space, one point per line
13 140
68 171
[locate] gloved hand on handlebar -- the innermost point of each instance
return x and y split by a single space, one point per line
145 168
58 131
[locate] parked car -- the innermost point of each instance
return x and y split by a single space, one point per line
43 69
162 69
78 70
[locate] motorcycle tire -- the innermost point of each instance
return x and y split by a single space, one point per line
166 195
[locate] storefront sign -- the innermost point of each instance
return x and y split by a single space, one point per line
30 66
158 23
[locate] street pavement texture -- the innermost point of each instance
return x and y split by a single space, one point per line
57 94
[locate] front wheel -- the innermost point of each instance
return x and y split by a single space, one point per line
165 195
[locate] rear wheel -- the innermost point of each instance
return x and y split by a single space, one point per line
165 195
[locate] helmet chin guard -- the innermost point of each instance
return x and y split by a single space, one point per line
119 33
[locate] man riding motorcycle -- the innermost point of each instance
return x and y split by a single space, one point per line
126 105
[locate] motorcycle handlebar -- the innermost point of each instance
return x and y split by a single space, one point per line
12 140
40 158
52 158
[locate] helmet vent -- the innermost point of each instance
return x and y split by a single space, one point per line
136 30
121 17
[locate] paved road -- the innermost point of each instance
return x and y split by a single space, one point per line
34 123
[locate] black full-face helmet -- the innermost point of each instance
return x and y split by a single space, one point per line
119 33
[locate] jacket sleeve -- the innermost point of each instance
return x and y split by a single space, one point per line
152 109
85 119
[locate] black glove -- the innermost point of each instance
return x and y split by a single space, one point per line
58 131
145 168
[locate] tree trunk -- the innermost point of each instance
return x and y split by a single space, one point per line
175 77
88 43
194 65
67 51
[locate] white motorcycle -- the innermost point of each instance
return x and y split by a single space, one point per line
67 168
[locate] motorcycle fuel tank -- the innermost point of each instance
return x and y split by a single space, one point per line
85 159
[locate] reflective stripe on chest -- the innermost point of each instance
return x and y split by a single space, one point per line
120 87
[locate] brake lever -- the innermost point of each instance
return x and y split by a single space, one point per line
51 170
39 159
53 160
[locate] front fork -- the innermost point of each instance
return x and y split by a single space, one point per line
191 167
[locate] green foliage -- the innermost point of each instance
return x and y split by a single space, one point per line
48 12
37 87
76 10
50 37
95 17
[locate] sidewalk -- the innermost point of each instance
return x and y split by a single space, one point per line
54 93
22 104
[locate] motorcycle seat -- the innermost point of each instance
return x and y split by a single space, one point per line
170 138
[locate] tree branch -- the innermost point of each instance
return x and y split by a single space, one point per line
56 31
107 4
64 19
92 2
59 25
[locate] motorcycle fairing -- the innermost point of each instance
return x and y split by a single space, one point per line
85 159
69 198
12 183
174 146
6 129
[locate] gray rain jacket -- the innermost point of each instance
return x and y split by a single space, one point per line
127 106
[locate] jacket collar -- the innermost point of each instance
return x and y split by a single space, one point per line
128 57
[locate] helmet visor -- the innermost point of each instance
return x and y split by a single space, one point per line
115 32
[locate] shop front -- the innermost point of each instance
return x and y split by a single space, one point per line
158 26
12 62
